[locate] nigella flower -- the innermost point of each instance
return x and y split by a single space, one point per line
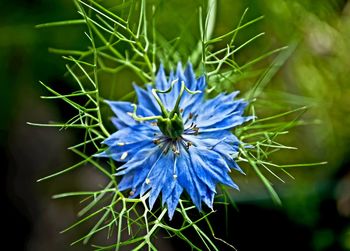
174 140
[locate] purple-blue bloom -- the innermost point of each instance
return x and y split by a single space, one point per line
174 140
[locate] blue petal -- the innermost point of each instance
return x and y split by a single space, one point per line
232 163
168 99
141 158
133 134
210 166
186 180
193 102
208 197
180 78
153 171
227 123
138 167
203 190
190 77
158 175
126 142
223 142
219 108
118 123
126 152
121 109
210 139
161 82
170 182
146 100
125 183
173 200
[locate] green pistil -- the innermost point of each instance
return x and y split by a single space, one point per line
169 123
171 127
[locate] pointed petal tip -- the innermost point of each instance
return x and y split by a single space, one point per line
108 102
241 171
134 85
171 214
161 70
235 186
101 154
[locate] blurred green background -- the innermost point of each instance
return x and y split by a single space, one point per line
316 205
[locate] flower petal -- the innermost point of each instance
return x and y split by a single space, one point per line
146 100
173 200
210 167
186 180
121 109
158 175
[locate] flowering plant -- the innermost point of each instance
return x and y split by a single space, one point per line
182 137
177 142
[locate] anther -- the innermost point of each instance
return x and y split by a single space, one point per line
124 155
120 143
175 150
131 193
175 176
148 181
156 141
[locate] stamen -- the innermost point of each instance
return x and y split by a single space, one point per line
148 181
175 176
131 193
156 141
124 155
175 150
120 143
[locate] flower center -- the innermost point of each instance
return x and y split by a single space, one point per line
169 123
171 127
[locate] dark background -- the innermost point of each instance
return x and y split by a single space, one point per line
316 206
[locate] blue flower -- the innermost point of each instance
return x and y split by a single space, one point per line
175 140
